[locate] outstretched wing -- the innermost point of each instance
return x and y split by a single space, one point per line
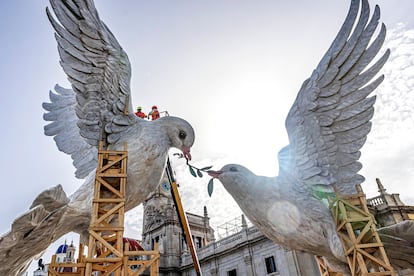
330 118
61 112
99 72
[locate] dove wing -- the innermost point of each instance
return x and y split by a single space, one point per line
330 118
99 72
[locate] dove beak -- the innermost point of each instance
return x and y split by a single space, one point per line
186 151
214 174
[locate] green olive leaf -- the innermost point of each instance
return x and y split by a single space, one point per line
206 168
210 187
192 171
199 173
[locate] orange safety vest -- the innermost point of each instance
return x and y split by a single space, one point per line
140 114
154 114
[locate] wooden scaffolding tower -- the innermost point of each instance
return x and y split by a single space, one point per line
107 252
106 231
356 227
324 269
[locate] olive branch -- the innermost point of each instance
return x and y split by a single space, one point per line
198 172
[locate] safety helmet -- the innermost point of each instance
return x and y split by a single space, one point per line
139 108
154 107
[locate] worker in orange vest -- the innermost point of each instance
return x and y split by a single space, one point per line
154 113
139 113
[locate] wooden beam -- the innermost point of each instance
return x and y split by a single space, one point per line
357 230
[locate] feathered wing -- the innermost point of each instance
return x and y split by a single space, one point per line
99 72
61 111
330 118
36 229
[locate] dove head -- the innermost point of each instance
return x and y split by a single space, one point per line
232 176
237 180
180 133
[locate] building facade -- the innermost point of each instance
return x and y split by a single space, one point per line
249 253
388 208
161 225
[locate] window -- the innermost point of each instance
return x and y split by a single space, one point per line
270 265
232 272
153 241
198 242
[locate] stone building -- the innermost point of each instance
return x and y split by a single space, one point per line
161 224
249 253
388 209
243 250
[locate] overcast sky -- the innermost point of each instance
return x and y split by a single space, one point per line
231 68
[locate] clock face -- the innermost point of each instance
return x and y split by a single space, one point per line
165 186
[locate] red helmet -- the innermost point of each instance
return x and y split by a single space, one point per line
154 107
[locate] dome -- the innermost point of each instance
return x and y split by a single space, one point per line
133 244
62 249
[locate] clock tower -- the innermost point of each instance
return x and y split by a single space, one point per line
161 224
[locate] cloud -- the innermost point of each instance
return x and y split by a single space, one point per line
133 222
395 96
389 151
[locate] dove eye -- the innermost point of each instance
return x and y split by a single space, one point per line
182 135
233 169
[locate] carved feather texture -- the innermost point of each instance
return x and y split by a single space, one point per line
96 65
333 110
61 111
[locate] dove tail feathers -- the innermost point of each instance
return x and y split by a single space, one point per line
33 232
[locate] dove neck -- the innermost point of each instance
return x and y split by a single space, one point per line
254 187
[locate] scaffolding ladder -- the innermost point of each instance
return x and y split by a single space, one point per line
362 245
108 254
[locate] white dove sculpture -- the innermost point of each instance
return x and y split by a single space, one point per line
99 72
327 126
